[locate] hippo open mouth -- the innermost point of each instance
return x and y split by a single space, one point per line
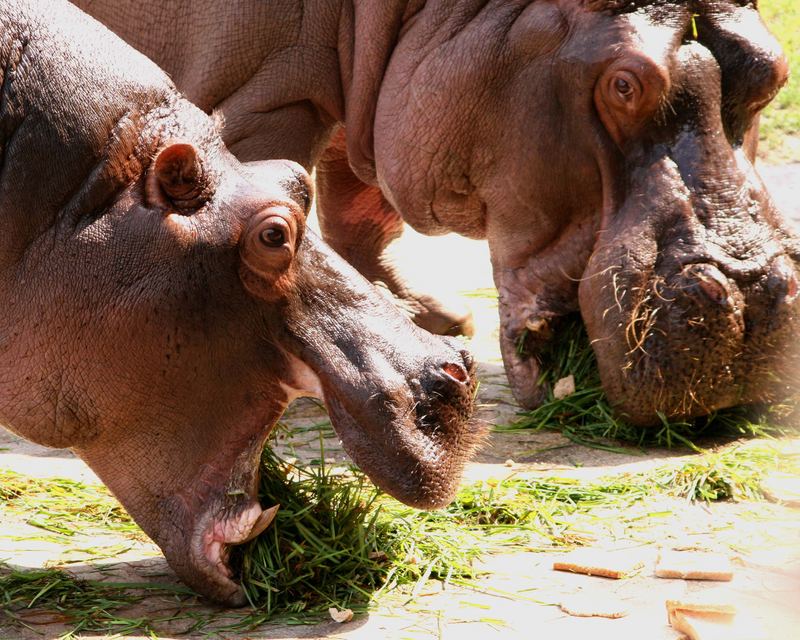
410 440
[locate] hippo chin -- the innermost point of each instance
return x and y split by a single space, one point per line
604 148
163 303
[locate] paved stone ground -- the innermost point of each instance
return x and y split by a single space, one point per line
518 598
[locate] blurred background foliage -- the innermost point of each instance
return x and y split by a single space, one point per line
780 124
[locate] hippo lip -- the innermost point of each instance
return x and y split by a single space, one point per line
213 538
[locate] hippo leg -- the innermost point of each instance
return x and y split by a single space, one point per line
359 223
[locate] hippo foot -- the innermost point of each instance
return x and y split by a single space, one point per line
427 312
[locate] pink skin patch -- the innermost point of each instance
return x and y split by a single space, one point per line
231 531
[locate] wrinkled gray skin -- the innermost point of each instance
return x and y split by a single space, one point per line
602 148
163 303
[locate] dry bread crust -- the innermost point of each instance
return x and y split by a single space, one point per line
710 626
689 565
606 564
584 605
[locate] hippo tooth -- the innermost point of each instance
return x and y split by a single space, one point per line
535 325
260 525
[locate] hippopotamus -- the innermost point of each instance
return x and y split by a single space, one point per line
604 148
162 303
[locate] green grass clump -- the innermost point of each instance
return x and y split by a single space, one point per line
336 541
52 596
586 417
65 507
782 118
732 474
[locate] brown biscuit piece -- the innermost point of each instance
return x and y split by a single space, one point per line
694 566
607 564
711 605
705 626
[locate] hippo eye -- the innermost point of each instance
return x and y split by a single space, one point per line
273 236
268 245
623 88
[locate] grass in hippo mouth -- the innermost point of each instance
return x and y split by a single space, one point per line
340 543
337 541
585 416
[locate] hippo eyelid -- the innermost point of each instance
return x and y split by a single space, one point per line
275 233
268 244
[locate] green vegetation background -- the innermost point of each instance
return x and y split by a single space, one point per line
780 125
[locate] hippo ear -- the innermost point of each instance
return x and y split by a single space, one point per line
178 179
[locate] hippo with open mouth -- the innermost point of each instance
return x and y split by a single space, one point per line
162 303
604 148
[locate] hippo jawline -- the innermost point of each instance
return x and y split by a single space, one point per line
213 538
413 460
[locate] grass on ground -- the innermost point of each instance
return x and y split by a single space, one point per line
65 507
586 417
338 542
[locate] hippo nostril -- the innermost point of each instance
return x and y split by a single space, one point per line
456 371
469 361
783 281
711 281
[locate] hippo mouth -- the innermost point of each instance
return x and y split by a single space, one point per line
695 309
204 560
218 535
411 439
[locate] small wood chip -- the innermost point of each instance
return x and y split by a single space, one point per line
714 602
705 626
564 387
607 564
584 605
690 565
345 615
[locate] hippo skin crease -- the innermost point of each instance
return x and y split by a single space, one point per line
162 303
604 148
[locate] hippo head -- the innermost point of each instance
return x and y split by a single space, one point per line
605 149
162 335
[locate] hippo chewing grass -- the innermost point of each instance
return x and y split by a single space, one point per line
604 148
163 303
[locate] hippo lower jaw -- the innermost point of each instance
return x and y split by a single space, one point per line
212 540
220 534
407 436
